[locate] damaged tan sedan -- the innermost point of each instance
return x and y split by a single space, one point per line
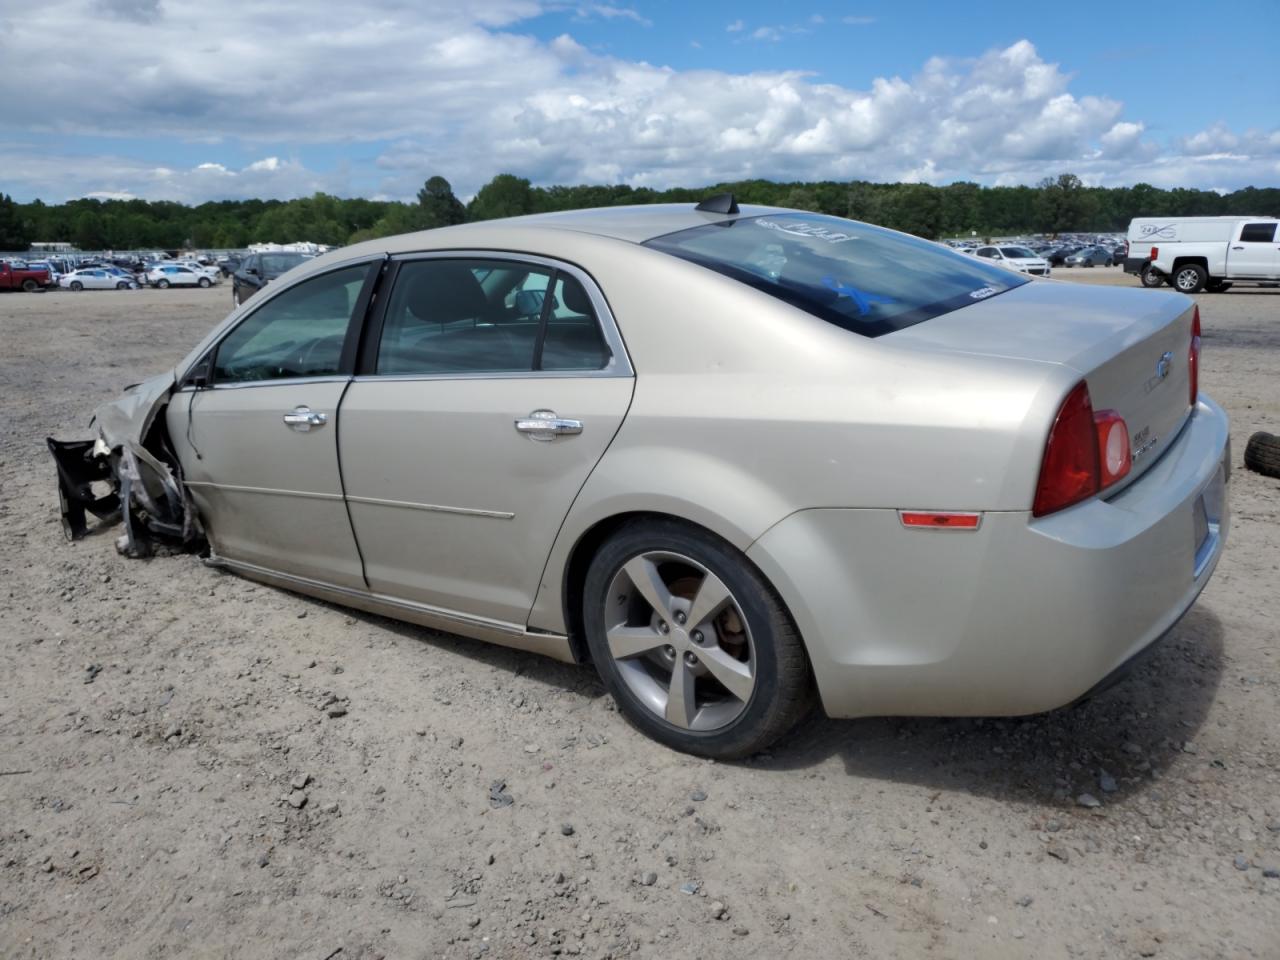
732 456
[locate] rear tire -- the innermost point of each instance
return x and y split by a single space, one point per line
77 286
641 651
1150 276
30 286
205 282
1262 454
162 284
1190 278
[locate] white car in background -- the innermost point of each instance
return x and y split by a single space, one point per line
176 275
1016 258
213 273
95 278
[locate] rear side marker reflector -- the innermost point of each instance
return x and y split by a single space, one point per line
922 520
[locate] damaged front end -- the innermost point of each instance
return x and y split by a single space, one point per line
129 472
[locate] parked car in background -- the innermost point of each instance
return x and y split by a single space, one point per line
97 278
18 275
734 457
1204 253
1057 256
174 275
212 272
1089 257
259 269
1016 258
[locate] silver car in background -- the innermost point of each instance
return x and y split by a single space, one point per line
734 457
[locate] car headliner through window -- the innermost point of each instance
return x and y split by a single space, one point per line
865 279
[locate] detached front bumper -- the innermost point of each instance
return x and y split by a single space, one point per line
1020 616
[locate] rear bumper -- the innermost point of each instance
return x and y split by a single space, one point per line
1020 616
1134 265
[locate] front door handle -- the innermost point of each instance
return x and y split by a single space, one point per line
545 425
302 418
1237 248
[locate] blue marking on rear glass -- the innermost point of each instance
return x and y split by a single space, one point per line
861 299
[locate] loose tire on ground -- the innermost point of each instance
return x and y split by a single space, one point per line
1190 278
638 651
1262 454
1151 277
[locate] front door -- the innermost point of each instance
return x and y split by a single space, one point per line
259 447
474 424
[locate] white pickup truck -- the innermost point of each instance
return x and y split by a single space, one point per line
1203 253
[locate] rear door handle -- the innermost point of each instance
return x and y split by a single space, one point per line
302 418
545 425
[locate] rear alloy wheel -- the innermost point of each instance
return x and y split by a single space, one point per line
694 645
162 284
205 282
1190 278
30 286
1151 277
77 286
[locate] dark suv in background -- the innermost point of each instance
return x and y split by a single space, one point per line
257 269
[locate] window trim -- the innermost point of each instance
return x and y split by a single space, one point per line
619 364
355 325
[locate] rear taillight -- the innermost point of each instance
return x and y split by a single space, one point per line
1193 357
1085 453
1155 253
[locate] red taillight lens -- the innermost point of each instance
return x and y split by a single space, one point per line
1193 357
1069 471
1114 456
1086 453
1155 253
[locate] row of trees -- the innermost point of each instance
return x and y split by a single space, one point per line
1055 205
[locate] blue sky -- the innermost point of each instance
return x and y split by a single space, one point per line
158 101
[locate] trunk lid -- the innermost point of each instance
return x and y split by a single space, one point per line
1130 345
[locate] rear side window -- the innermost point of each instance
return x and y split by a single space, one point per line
1258 233
862 278
473 316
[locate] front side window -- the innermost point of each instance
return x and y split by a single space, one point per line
476 316
861 278
1258 233
299 333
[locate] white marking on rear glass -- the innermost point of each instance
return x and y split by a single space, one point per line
798 228
982 293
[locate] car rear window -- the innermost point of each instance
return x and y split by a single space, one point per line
861 278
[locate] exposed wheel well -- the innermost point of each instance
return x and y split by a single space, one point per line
1184 261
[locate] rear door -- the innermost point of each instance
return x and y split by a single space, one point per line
482 405
1255 252
259 447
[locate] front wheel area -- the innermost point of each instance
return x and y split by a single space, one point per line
693 644
205 283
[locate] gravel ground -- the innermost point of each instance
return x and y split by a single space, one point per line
195 765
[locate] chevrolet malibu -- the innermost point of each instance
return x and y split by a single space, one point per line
736 458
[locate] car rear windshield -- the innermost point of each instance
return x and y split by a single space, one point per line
862 278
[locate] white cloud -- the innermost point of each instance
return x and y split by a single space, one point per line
772 34
410 90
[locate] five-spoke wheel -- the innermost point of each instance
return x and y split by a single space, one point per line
694 645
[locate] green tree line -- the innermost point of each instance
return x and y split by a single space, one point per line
1055 205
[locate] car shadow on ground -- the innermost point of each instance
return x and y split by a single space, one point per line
1107 746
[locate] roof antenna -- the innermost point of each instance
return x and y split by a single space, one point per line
720 203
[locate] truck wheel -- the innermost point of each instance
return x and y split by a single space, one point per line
30 286
1151 277
1190 278
1262 455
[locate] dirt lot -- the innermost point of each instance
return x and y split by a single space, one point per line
174 782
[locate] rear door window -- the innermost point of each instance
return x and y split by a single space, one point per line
861 278
1258 233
